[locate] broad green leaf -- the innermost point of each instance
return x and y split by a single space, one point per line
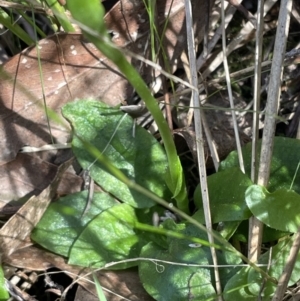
141 158
279 210
109 237
285 158
279 256
179 279
3 291
237 288
166 282
62 222
247 283
226 195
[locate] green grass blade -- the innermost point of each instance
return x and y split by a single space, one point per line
6 21
99 289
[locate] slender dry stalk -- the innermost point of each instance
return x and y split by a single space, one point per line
199 142
190 115
271 113
217 35
256 108
211 143
226 69
240 39
257 86
288 269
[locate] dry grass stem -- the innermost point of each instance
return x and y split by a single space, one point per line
226 68
245 35
199 142
217 35
288 269
256 107
271 113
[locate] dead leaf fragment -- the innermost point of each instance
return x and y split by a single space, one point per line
19 226
121 283
27 176
71 69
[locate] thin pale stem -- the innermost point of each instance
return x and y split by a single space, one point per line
226 68
199 139
254 224
271 112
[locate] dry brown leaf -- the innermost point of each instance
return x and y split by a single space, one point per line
83 295
27 176
36 259
19 226
71 68
24 175
124 283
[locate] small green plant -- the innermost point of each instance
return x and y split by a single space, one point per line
234 199
173 258
114 232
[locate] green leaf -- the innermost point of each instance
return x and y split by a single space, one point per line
279 256
279 210
253 280
109 237
3 291
171 281
62 222
237 288
226 195
285 158
141 158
